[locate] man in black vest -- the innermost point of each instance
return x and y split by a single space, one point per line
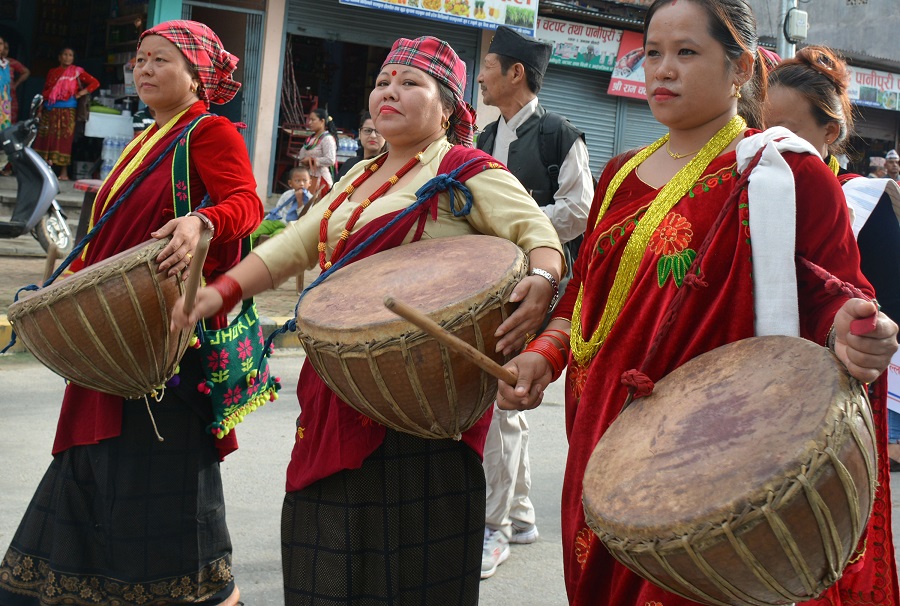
548 156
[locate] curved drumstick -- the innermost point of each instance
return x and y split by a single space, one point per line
193 281
455 343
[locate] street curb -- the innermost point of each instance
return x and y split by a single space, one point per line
6 335
269 325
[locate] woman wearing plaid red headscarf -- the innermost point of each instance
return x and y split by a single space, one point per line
348 536
121 517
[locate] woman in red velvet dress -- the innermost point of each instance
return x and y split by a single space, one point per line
652 210
808 95
121 517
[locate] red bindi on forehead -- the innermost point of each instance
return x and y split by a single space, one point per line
393 72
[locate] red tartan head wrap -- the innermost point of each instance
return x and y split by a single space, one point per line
437 59
204 52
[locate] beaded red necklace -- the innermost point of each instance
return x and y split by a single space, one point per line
354 216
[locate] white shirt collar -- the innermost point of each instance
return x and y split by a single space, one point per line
521 116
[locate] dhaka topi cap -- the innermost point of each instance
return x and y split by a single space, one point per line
203 50
437 59
876 162
892 155
524 49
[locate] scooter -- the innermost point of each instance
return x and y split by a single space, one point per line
36 208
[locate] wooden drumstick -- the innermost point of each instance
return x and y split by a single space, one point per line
50 261
193 281
455 343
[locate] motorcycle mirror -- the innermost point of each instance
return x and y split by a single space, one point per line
36 104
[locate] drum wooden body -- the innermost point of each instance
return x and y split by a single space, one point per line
388 369
107 326
747 477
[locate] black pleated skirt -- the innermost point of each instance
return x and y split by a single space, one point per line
407 528
128 521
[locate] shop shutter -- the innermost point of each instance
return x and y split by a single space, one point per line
636 125
878 124
580 95
331 20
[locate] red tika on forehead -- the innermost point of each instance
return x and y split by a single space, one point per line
203 49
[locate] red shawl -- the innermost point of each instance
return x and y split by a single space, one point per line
220 166
710 316
331 436
63 82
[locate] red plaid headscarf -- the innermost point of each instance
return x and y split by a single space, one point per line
204 52
437 59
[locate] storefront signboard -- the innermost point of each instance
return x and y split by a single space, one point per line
628 73
580 44
486 14
893 371
873 88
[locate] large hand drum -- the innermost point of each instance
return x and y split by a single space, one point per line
107 326
746 478
393 372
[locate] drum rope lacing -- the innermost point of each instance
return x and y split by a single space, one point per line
76 251
629 551
428 192
318 350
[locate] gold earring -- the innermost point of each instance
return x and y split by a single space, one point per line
737 92
446 124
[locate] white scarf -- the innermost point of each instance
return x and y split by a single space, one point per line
773 229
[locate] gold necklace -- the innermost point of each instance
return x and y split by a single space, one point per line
679 156
584 350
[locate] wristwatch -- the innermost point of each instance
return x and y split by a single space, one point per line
537 271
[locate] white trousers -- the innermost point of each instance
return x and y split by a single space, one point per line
507 473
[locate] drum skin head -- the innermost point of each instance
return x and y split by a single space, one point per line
387 368
441 277
728 424
746 477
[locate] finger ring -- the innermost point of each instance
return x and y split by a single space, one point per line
189 256
529 337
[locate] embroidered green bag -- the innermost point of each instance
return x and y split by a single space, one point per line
235 358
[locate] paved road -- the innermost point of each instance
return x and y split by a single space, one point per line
254 482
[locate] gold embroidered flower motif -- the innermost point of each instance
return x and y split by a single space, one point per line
654 604
583 545
672 236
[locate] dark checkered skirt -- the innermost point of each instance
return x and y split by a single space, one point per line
127 521
406 528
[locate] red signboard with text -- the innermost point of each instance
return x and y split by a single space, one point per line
627 79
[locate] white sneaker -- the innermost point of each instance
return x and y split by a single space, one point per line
494 553
524 534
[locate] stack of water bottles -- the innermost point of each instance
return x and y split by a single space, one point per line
347 145
112 149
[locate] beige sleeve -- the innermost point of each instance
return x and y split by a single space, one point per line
294 249
503 208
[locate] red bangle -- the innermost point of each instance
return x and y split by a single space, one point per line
563 345
551 353
566 339
230 291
